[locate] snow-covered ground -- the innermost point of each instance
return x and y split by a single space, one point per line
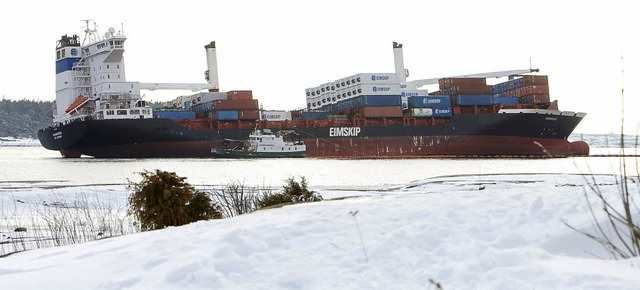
463 232
11 141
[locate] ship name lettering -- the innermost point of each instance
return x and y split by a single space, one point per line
344 131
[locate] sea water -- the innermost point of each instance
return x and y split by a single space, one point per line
36 164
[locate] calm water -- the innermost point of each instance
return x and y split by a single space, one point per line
39 164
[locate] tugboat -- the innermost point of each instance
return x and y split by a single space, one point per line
262 144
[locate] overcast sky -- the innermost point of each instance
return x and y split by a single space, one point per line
279 48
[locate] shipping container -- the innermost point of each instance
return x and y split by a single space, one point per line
273 115
248 114
239 104
226 115
534 89
381 112
535 99
474 100
442 112
367 89
504 100
179 114
378 100
422 112
312 115
373 78
430 102
464 82
413 93
529 80
239 95
201 107
467 89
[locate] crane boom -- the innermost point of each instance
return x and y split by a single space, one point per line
424 82
176 86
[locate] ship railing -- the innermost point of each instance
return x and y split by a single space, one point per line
80 64
118 96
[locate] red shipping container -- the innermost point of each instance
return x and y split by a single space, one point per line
535 89
381 111
239 95
451 82
241 104
539 99
248 115
470 89
534 80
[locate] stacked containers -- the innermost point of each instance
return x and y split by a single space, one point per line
329 95
467 91
408 93
379 106
239 105
428 106
529 89
468 86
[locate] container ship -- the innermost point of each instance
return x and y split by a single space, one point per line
366 115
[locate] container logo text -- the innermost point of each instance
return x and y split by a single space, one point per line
344 131
379 78
381 89
431 101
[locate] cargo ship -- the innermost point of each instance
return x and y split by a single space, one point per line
365 115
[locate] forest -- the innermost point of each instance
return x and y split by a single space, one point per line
23 118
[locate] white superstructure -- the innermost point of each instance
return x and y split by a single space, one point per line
91 82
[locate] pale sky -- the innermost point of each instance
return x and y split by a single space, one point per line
279 48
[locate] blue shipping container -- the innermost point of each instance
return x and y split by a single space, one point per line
505 100
175 114
433 101
474 100
313 115
378 101
442 112
227 115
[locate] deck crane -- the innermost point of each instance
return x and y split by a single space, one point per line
402 73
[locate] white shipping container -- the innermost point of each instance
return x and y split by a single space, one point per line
381 89
205 97
414 93
325 88
341 83
422 112
376 78
273 115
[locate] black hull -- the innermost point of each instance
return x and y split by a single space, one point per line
464 135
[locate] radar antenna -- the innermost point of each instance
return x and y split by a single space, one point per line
90 34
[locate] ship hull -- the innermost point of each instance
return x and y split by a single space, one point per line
466 135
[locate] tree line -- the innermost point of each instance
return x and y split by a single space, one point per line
23 118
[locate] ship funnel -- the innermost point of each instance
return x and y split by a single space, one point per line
211 74
398 61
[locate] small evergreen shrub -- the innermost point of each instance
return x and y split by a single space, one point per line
163 199
293 192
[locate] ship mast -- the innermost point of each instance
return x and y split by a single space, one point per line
90 35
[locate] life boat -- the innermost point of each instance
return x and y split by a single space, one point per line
77 104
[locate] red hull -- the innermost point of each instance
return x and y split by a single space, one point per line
442 146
